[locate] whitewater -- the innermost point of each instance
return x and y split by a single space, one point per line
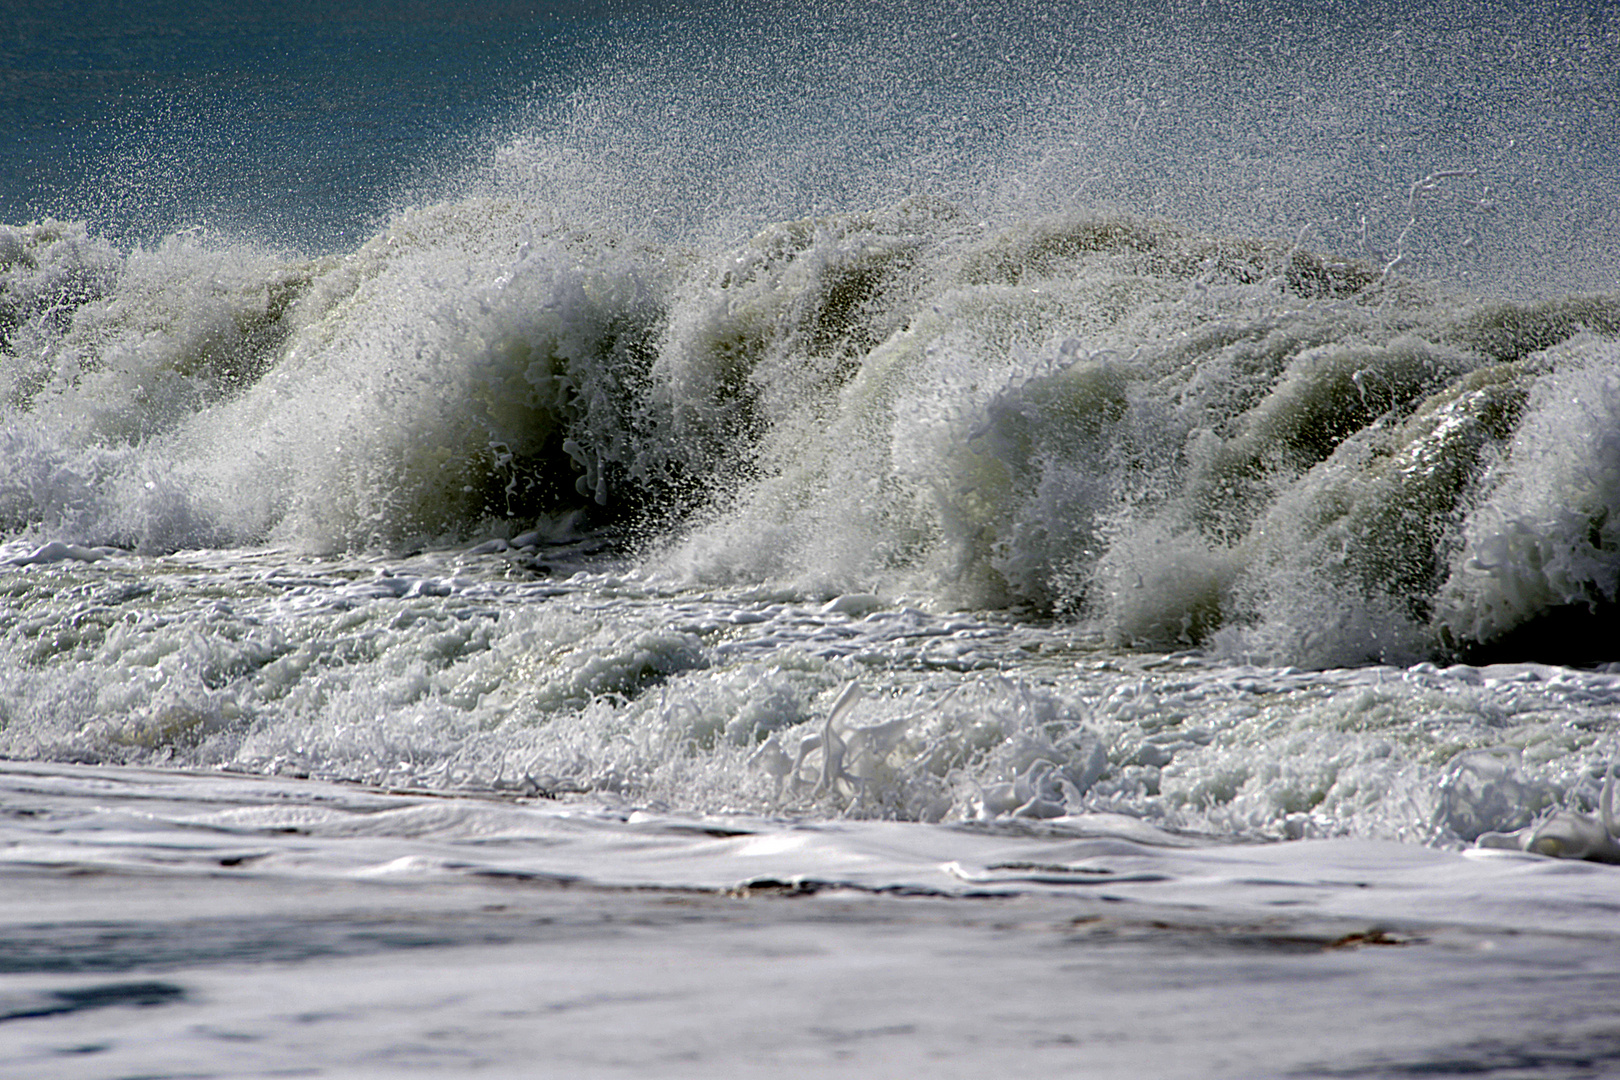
744 540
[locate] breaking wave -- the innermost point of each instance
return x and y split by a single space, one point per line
1184 439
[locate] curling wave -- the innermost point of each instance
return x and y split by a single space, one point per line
1184 439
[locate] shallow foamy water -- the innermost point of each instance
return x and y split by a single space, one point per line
176 923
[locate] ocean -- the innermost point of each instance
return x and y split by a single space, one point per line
725 539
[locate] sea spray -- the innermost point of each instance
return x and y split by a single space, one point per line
1185 440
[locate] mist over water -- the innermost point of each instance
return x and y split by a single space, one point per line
712 120
1252 119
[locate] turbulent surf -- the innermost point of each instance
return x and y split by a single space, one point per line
627 443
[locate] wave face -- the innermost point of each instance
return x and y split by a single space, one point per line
1190 439
977 308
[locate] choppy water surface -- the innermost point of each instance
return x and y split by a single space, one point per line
506 672
672 504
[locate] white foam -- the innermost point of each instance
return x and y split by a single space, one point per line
1545 532
1043 415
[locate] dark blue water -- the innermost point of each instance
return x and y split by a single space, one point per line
296 121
